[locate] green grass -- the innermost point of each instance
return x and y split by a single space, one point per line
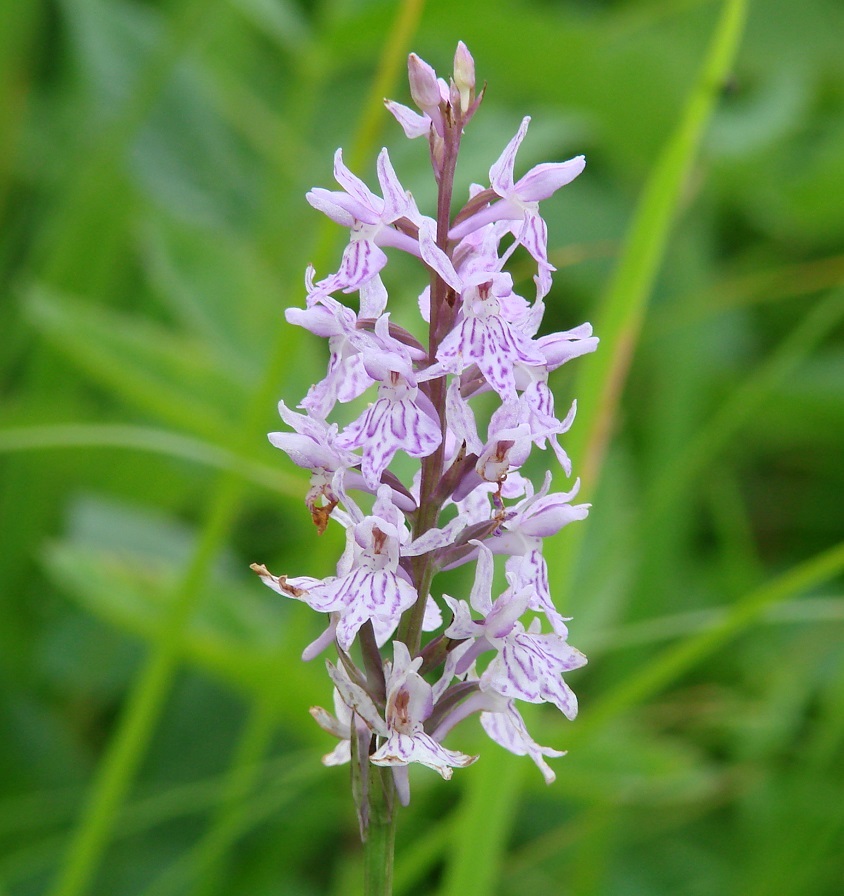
153 163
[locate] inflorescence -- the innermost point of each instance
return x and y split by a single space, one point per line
466 501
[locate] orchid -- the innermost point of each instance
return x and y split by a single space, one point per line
417 478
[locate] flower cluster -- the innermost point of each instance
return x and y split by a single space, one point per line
468 402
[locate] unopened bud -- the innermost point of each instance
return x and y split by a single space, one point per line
423 83
464 75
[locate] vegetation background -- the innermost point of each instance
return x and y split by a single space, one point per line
153 160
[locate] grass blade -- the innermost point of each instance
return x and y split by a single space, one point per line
619 322
602 376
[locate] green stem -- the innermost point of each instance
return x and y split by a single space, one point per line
381 835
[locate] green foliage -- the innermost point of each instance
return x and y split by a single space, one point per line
153 161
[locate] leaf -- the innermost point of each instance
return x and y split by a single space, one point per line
173 377
122 564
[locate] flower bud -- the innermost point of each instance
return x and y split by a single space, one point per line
423 83
464 75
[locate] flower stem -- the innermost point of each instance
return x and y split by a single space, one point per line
410 630
381 834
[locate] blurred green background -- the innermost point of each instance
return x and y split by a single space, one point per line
154 156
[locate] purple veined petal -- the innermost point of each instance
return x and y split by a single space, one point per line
385 235
533 235
329 595
502 210
425 304
391 595
305 424
401 779
361 214
368 595
542 279
506 417
324 641
395 355
432 540
550 515
427 427
563 697
320 399
409 696
296 587
439 688
356 698
353 379
477 701
402 665
544 180
340 755
561 347
303 451
344 381
501 172
481 595
529 667
381 362
402 749
560 453
412 123
325 201
508 729
354 186
420 433
361 431
386 510
320 320
497 358
433 618
435 258
384 629
509 607
541 399
530 571
564 656
533 319
395 196
362 260
373 297
459 348
516 674
462 625
460 418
